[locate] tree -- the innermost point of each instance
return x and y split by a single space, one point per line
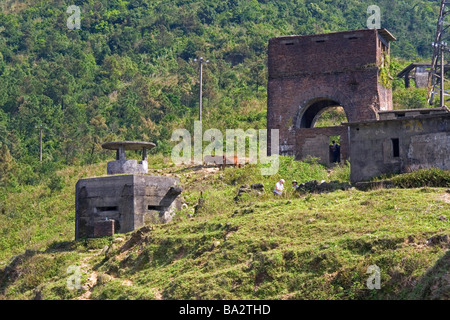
7 165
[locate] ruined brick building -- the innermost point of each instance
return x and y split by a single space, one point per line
310 74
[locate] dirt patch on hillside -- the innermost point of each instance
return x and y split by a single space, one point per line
445 197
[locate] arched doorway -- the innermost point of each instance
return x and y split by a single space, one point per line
330 117
319 132
316 109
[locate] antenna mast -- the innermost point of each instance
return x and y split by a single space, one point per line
436 79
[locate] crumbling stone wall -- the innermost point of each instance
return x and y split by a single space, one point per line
399 145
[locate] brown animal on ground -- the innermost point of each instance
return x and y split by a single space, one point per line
225 161
235 162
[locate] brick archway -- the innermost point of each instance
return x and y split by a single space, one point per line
308 74
310 112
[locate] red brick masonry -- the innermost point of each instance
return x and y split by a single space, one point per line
307 74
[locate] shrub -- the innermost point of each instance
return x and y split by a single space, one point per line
55 183
423 178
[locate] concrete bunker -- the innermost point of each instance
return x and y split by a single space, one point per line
126 198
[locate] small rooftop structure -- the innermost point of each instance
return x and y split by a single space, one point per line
419 71
121 164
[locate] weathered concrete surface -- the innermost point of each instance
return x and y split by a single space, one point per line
122 165
390 115
127 166
423 142
104 228
310 73
128 145
130 200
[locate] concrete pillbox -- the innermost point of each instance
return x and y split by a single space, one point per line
127 198
131 200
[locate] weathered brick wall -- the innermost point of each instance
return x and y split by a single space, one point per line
104 228
315 143
328 53
342 67
287 97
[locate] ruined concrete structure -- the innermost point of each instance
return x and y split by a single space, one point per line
120 203
401 141
417 71
309 74
121 164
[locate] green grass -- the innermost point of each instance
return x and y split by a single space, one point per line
259 247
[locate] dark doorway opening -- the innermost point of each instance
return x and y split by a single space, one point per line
335 149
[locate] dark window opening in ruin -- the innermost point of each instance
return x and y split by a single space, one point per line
396 148
289 43
322 113
105 209
155 208
400 115
320 41
353 38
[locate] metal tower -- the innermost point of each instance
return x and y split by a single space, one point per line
436 79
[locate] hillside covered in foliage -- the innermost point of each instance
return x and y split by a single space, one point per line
246 246
128 73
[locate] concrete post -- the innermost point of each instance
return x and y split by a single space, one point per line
144 154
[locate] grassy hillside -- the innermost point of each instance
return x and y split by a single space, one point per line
259 247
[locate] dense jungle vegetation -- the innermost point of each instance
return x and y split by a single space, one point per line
128 73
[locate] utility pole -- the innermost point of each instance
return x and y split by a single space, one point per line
442 98
436 77
41 128
200 63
